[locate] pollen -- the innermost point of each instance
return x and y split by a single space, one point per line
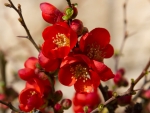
61 40
80 72
94 52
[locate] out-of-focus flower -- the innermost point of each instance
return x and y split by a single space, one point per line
119 79
95 44
50 13
91 100
124 100
146 94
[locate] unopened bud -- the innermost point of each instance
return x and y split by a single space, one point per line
77 26
7 5
20 20
19 6
66 103
85 30
100 107
58 107
58 95
124 100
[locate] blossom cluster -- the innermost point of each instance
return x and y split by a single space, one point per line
69 49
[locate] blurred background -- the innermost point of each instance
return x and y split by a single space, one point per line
93 13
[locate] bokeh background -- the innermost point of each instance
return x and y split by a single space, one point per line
94 13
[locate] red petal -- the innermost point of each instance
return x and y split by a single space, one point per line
26 73
49 33
99 36
73 38
50 13
82 85
82 41
49 18
95 78
65 76
48 64
104 72
108 51
31 63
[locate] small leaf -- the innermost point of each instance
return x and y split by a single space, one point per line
69 12
65 17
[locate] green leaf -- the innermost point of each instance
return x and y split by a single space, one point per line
65 17
69 12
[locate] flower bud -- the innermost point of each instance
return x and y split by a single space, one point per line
119 80
7 5
121 71
66 103
146 94
85 30
77 26
58 107
124 100
58 95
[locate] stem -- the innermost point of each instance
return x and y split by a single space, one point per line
21 19
3 70
129 91
11 107
69 3
103 91
117 57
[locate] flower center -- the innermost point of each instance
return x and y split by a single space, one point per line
94 52
32 93
80 71
61 40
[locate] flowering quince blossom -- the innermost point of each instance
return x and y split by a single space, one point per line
59 39
50 13
48 64
37 87
95 44
79 63
83 73
80 100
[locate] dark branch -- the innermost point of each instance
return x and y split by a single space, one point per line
21 19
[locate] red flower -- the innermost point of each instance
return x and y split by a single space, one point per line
48 64
95 44
119 79
146 94
76 70
29 71
59 40
30 99
42 85
80 100
50 13
34 94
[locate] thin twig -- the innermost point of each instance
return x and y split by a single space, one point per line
11 107
69 3
21 19
117 57
130 91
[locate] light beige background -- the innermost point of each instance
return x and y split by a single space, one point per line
93 13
